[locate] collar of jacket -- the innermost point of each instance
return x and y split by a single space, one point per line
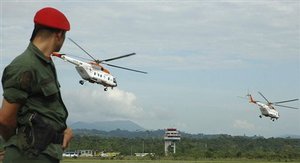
38 53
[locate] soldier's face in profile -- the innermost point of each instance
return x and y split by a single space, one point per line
60 40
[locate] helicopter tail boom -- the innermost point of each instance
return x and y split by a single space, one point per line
69 59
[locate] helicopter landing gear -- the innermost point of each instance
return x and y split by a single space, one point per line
81 82
105 89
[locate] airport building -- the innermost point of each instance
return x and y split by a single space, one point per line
171 136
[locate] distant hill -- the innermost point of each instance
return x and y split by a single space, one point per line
120 133
291 136
129 129
108 125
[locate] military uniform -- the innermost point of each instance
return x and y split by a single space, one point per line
31 80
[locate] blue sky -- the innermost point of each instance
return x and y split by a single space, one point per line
200 56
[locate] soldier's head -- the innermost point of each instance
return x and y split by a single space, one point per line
50 22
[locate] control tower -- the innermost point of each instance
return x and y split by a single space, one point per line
171 137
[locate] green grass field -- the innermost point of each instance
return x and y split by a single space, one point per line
169 161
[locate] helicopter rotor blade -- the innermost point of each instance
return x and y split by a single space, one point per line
290 107
129 69
265 98
286 101
122 56
83 50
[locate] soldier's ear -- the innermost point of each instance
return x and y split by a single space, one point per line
60 34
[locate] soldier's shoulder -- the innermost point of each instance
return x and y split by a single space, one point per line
23 59
20 63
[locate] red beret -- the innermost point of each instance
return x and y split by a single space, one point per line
51 17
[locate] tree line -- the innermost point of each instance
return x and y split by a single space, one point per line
223 146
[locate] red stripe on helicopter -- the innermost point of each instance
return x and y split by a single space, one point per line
56 54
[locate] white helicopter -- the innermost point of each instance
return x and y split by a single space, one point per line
93 71
268 109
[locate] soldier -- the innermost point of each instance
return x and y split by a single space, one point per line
33 115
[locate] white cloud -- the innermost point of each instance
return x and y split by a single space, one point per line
243 124
95 104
